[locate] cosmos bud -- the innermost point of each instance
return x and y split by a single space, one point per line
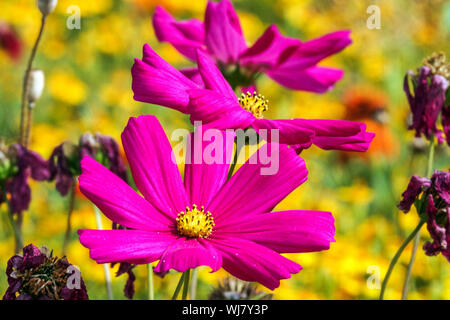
47 6
35 85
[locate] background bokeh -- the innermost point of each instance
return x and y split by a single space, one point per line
88 88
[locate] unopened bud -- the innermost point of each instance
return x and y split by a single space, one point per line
35 85
47 6
88 140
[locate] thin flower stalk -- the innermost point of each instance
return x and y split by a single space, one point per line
69 217
98 220
151 290
417 238
26 110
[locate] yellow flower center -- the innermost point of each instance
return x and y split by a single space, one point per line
254 103
194 223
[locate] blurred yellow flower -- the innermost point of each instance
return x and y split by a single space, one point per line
66 87
87 8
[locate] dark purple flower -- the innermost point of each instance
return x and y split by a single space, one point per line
65 160
441 184
110 150
445 116
60 168
125 267
434 206
289 61
439 232
415 187
36 275
427 99
18 164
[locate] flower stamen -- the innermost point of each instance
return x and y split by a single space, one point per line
194 223
254 103
437 64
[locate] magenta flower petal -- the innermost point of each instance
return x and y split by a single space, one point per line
203 178
212 77
314 79
249 191
340 134
223 33
195 252
267 51
217 111
193 74
234 212
353 146
249 261
117 200
326 134
156 81
186 36
312 52
153 165
125 245
288 131
285 231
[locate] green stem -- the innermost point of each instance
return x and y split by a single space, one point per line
194 280
17 234
98 219
178 288
23 112
186 284
410 265
417 238
151 291
16 230
430 159
69 216
28 125
397 256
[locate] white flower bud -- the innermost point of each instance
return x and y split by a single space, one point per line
35 85
47 6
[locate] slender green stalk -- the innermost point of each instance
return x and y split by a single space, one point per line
19 239
98 219
186 284
28 126
16 230
151 291
194 280
410 265
179 285
430 159
69 217
417 238
25 122
397 256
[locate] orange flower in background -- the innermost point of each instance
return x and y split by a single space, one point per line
369 104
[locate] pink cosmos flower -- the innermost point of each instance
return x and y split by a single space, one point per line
289 61
216 105
206 220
